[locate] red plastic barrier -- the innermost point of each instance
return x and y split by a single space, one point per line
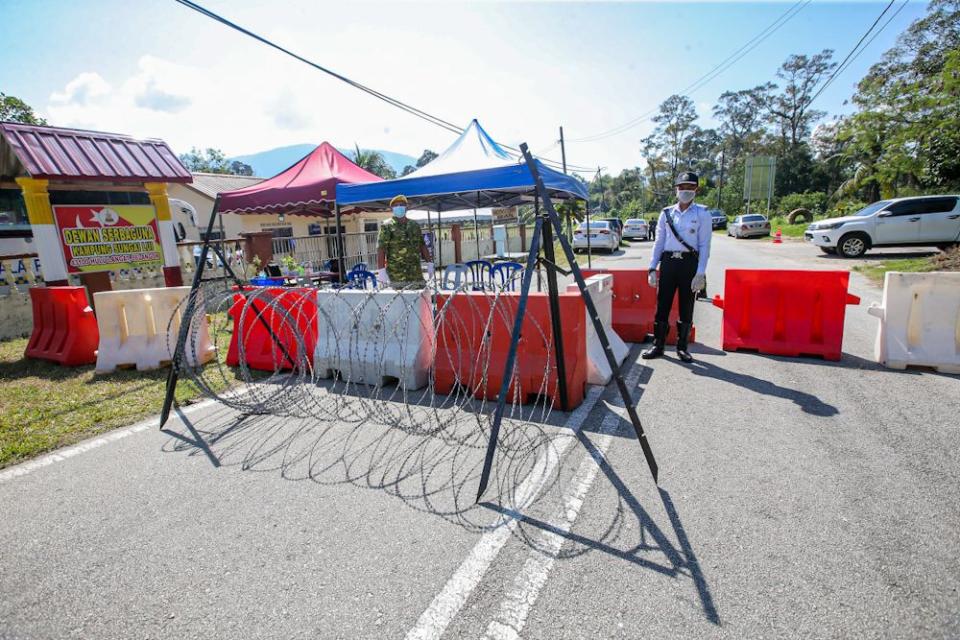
785 312
288 312
473 339
635 305
64 327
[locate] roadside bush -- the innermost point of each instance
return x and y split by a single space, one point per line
845 208
813 201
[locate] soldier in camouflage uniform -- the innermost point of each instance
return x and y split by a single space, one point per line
400 247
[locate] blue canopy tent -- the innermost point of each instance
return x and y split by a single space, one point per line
473 172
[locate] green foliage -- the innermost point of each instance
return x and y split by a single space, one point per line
214 161
815 201
374 162
845 208
13 109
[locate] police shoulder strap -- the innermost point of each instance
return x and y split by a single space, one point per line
676 235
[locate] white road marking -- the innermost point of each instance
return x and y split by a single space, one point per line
445 606
94 443
516 605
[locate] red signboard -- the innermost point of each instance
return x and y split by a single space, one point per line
108 237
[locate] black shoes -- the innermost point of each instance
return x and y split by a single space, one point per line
683 338
659 339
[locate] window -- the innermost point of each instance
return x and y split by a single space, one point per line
370 226
753 218
937 205
907 208
315 229
213 235
13 213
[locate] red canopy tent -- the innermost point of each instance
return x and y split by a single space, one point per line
307 188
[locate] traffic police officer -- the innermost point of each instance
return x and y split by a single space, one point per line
682 249
400 246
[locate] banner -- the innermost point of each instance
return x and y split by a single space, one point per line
108 237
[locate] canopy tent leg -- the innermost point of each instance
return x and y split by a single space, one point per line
341 264
476 228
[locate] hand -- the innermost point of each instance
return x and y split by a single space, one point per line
383 277
652 278
699 282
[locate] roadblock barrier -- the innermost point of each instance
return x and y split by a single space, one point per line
139 327
289 314
785 312
64 327
919 321
473 339
635 305
600 287
370 337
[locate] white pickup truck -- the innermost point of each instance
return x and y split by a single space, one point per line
903 222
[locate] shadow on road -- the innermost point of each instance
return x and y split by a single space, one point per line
807 402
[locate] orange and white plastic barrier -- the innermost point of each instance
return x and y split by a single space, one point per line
919 321
139 327
600 287
367 336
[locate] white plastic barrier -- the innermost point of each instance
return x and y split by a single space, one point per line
919 321
133 328
370 336
601 291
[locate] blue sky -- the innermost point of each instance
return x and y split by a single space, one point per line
154 68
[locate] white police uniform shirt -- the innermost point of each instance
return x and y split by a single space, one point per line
694 226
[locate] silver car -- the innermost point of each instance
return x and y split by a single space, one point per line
635 229
752 224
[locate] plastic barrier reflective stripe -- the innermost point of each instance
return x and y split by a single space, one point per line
919 321
785 312
635 305
64 327
473 339
139 327
600 287
369 336
290 313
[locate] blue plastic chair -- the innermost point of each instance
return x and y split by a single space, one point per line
479 274
358 278
453 276
360 266
503 275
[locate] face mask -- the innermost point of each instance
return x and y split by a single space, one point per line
399 212
685 196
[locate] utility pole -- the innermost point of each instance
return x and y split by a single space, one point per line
600 180
563 157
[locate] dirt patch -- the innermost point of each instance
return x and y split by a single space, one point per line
948 260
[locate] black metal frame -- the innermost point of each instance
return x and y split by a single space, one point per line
553 220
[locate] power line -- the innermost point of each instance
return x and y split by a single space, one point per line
423 115
857 50
724 64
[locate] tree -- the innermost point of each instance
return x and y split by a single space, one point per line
13 109
374 162
741 115
426 157
674 122
790 109
212 160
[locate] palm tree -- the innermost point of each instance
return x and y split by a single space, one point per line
374 162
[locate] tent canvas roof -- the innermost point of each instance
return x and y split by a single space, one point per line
309 187
474 171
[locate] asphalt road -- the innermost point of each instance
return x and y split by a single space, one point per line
798 499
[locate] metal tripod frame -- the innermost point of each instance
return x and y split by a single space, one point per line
552 219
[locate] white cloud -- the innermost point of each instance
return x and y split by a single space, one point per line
82 90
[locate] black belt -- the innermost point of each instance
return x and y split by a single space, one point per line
679 254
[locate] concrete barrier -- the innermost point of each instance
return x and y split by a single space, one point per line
600 287
369 337
919 321
134 326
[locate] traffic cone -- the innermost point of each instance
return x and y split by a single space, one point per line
778 237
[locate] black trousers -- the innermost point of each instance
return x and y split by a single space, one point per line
676 276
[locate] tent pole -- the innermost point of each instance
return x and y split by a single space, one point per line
439 239
341 265
536 216
433 244
476 229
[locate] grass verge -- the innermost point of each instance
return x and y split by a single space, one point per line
44 406
944 261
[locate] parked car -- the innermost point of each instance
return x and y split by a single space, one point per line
636 229
752 224
718 218
601 236
617 225
902 222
